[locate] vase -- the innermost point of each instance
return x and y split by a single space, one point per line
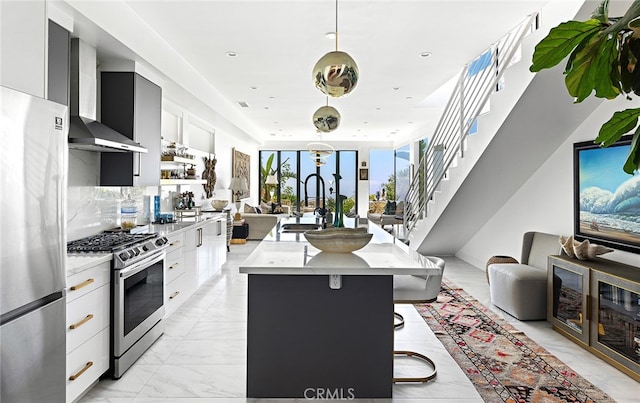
338 222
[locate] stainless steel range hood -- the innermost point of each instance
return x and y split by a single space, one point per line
85 133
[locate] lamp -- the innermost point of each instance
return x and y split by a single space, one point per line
336 73
238 186
271 180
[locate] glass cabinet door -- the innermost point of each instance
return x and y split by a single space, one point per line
616 322
568 291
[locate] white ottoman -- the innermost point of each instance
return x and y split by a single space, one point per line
519 289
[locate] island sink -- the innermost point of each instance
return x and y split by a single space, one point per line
300 227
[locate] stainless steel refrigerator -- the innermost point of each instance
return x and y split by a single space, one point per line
33 185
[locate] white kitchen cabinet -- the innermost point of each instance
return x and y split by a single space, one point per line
202 253
86 363
219 241
88 304
176 291
23 46
87 316
207 261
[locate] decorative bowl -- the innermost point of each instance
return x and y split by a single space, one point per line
219 204
339 240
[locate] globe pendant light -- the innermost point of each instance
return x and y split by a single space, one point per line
326 118
336 73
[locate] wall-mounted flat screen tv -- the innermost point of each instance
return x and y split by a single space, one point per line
606 199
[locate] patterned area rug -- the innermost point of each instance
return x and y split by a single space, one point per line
501 361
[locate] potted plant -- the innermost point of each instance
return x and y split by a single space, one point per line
604 55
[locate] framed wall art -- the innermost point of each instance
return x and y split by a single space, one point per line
364 174
241 168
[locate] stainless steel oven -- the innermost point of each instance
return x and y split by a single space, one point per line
138 309
137 291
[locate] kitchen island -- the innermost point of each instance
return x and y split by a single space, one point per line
320 325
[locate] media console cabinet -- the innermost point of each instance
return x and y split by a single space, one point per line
596 304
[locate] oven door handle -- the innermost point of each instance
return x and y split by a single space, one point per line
141 265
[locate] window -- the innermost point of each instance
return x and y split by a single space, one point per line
381 175
402 172
294 168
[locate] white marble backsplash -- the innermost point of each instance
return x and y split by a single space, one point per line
92 209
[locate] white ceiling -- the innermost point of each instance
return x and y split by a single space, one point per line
278 43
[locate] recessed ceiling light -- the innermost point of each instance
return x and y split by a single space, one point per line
231 53
409 97
266 107
330 35
272 97
425 54
396 88
243 104
410 122
253 87
273 134
378 108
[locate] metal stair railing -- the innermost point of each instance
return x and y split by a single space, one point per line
478 80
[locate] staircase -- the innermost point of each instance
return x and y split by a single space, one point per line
465 176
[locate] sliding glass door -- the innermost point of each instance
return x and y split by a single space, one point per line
304 184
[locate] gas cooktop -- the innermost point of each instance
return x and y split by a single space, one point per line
108 242
126 248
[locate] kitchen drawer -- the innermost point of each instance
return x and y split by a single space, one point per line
92 355
175 265
88 315
176 241
176 293
88 280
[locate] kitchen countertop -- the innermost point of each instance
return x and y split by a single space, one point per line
291 254
171 228
79 262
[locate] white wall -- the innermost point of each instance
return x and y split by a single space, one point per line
543 203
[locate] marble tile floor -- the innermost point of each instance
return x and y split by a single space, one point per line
201 356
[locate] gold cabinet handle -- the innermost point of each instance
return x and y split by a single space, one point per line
174 243
83 284
173 266
82 322
77 374
175 294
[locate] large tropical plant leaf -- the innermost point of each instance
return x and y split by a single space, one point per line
593 66
633 159
621 123
581 74
604 55
561 41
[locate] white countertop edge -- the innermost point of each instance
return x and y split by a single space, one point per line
77 263
345 271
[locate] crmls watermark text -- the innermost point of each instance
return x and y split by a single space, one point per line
329 394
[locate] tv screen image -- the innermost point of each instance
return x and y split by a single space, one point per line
606 199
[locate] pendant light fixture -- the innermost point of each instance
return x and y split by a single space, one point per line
319 152
326 118
336 73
